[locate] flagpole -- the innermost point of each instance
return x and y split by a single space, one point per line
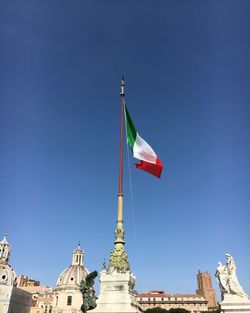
119 232
118 257
120 194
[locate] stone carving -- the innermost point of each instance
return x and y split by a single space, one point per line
221 274
118 257
228 282
88 292
119 260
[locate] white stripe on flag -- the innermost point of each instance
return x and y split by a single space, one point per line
143 151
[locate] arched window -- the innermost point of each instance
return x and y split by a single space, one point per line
69 300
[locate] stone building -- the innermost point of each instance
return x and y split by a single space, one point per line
205 289
42 298
12 299
67 296
157 298
43 303
25 281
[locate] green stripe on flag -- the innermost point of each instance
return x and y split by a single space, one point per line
131 131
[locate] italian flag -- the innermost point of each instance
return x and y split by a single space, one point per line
141 149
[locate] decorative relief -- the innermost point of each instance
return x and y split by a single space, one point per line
118 258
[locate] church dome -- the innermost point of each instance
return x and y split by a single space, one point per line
72 275
75 273
7 274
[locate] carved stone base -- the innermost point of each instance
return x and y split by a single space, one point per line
234 303
116 293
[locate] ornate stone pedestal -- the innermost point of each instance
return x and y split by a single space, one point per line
116 293
234 303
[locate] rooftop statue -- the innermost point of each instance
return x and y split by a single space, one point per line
88 292
228 282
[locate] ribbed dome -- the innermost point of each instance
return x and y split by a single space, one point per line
72 275
75 273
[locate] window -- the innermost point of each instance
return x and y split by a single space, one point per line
69 300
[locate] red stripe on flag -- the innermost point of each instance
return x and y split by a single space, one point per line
154 169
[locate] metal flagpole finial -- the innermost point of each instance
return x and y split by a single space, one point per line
122 86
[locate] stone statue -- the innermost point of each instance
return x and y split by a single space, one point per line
227 279
234 285
88 292
221 274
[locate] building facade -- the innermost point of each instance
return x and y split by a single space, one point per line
25 281
43 303
206 290
42 298
158 299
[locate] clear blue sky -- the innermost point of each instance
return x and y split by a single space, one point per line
187 71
